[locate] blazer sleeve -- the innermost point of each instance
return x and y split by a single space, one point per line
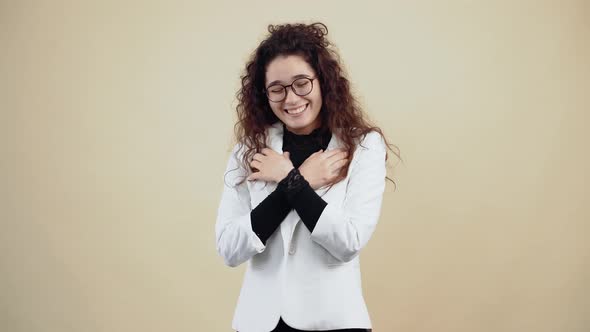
345 230
236 242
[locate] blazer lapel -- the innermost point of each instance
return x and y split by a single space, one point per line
274 141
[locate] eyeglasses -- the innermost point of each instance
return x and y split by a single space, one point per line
301 87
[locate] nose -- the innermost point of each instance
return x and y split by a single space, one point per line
291 96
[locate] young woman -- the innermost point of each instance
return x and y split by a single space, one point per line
303 188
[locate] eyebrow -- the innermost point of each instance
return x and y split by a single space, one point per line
292 78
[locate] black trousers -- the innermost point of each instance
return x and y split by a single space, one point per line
283 327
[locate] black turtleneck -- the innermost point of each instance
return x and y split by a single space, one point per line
293 192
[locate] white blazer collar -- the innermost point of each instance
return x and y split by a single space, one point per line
275 138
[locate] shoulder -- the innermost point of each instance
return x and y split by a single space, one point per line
236 156
235 171
238 149
373 140
271 132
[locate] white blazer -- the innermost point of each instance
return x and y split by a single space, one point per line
311 280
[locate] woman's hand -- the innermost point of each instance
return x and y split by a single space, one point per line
271 165
322 167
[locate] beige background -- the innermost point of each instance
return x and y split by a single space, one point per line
116 126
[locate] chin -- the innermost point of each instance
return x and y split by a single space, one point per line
295 124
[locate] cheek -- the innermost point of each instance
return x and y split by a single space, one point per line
318 95
317 100
276 109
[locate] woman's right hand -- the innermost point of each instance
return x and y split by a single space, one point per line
321 167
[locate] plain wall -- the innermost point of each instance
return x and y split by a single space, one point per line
116 124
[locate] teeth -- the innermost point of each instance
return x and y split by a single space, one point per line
297 110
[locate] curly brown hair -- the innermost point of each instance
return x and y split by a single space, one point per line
340 110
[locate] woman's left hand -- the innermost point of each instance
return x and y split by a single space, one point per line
271 165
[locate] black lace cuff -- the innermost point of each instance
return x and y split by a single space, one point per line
292 184
301 196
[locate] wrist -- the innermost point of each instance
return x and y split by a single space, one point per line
306 177
292 184
301 171
284 175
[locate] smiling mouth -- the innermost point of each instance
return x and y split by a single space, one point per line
297 110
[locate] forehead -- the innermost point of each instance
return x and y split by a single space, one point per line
284 68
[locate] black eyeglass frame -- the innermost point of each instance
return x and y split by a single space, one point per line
292 88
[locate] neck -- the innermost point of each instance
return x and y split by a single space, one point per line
303 131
